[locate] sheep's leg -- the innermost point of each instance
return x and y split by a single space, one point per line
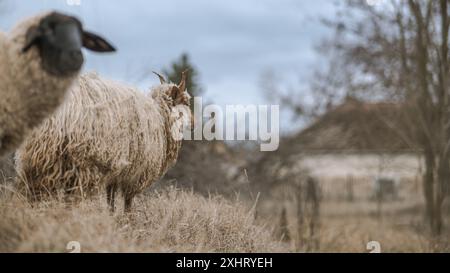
111 195
128 202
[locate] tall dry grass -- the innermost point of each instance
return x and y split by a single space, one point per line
173 220
349 227
168 221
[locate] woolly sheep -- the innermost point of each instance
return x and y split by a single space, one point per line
106 136
39 60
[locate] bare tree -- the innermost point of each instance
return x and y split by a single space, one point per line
395 51
398 51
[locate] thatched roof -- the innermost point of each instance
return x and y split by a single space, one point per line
352 127
359 127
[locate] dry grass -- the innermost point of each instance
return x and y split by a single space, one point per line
180 221
353 235
169 221
349 226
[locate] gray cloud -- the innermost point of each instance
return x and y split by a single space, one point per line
231 42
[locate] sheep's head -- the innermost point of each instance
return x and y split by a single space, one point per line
59 39
178 100
176 92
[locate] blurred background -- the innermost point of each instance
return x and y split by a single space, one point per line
363 89
230 43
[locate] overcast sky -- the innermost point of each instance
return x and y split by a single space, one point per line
232 42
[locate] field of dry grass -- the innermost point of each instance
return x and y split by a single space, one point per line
169 221
350 226
172 220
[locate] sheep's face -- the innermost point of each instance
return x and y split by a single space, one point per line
59 39
179 102
180 112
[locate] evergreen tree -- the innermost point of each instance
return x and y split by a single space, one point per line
173 74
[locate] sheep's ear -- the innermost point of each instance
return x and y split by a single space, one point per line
175 93
161 78
182 85
178 96
96 43
32 37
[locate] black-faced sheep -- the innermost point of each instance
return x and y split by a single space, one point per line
39 60
105 136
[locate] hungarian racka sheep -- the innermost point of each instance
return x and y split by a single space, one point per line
39 60
105 136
